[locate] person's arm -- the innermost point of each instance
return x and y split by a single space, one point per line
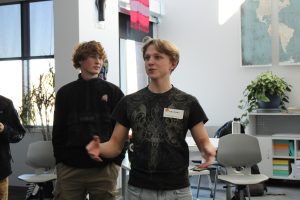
118 95
59 139
204 145
111 148
13 129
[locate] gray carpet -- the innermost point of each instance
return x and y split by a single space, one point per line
277 190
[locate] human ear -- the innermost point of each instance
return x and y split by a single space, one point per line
173 66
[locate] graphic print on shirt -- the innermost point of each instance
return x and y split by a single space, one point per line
157 137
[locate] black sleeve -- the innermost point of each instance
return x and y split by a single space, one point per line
117 96
197 114
13 129
120 113
58 136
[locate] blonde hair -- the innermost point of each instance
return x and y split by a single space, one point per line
162 46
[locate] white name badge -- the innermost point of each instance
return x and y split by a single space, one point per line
173 113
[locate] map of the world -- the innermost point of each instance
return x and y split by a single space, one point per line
258 33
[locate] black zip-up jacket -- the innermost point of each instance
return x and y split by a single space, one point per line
83 109
13 133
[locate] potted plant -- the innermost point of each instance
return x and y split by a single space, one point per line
38 104
263 92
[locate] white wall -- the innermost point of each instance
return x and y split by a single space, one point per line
108 35
66 35
210 58
76 21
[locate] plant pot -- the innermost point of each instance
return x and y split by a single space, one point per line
272 104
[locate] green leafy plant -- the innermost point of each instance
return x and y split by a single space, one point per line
265 85
38 104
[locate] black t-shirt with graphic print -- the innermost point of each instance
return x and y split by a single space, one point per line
159 124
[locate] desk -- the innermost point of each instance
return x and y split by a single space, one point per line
192 145
126 164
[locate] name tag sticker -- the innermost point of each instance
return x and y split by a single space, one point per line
173 113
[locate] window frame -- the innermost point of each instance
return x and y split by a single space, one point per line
25 30
25 57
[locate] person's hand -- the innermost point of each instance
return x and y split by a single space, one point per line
208 159
1 128
93 148
207 162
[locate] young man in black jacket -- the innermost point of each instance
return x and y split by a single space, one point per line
11 131
83 110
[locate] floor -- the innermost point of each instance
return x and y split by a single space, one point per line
277 190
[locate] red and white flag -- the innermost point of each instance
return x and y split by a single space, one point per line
139 15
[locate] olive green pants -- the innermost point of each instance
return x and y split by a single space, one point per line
4 189
75 183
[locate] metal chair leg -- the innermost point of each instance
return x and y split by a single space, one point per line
211 186
198 187
41 192
248 192
215 183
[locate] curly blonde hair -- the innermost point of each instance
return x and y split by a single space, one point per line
86 49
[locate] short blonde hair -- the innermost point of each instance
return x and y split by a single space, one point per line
86 49
162 46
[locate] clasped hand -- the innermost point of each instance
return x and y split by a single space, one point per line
1 127
93 148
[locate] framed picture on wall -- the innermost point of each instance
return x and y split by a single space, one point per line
270 32
256 33
288 32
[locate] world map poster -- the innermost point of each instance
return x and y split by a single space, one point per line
289 32
257 32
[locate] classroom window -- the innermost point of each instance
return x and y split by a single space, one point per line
26 45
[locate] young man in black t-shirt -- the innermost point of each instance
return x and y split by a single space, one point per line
159 116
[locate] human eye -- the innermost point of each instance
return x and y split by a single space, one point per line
146 57
95 56
157 57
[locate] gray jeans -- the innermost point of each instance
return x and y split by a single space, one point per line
135 193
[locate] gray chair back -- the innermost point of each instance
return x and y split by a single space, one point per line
40 155
238 150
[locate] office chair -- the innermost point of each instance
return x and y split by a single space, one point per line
237 153
40 157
